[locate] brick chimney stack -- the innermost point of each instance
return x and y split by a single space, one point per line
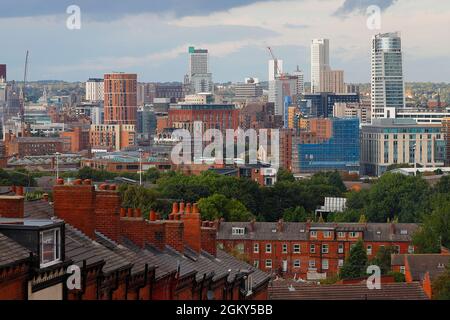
107 211
132 226
75 204
192 228
12 206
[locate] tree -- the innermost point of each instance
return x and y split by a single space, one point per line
218 206
297 214
355 265
133 196
285 175
383 259
435 229
441 285
443 185
395 195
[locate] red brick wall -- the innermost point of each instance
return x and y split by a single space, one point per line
107 207
174 234
208 239
133 229
13 283
192 235
155 234
75 204
11 206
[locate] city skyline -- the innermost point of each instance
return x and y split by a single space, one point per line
246 28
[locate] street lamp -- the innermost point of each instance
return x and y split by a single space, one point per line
140 166
57 154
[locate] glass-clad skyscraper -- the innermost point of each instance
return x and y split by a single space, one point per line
387 87
340 151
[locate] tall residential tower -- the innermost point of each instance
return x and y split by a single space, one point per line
320 62
200 78
386 83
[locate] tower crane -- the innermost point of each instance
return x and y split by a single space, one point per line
286 90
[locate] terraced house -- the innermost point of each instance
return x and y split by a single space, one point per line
309 251
120 254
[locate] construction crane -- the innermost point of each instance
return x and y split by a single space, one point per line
22 107
286 90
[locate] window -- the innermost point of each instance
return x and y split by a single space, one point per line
256 247
256 263
410 249
325 264
296 248
268 248
240 247
404 232
341 248
312 263
220 245
312 248
402 269
369 250
297 263
235 231
340 262
268 263
324 248
397 249
285 248
341 234
313 234
50 247
327 234
353 234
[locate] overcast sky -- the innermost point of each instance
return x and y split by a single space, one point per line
150 37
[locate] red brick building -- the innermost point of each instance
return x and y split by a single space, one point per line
120 90
31 146
76 140
309 250
213 116
121 254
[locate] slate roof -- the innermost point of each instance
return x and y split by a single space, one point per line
291 290
397 259
11 252
237 266
298 230
207 264
38 209
79 247
419 264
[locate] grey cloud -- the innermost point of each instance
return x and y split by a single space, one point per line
350 6
111 9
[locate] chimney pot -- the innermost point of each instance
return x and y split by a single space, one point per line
60 181
181 207
174 207
130 212
19 190
152 215
188 208
171 216
77 181
138 212
112 187
45 197
87 182
123 212
13 189
158 216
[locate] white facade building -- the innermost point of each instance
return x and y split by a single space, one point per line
94 89
320 62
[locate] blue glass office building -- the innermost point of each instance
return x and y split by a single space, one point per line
340 152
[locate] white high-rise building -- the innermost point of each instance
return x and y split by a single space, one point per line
320 62
94 89
199 76
275 68
300 80
386 83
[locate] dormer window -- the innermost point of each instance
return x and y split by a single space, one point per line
404 231
50 246
441 266
313 234
237 231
